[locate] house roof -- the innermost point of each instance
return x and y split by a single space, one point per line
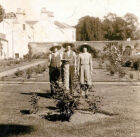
62 25
31 22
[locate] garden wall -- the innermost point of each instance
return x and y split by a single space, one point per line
39 48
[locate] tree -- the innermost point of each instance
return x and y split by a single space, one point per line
132 24
2 13
114 27
89 28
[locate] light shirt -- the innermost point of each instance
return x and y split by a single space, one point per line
68 53
85 58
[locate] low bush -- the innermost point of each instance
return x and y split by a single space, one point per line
34 103
67 104
39 69
29 72
127 64
136 65
131 76
19 73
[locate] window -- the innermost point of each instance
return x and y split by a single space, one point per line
24 27
16 55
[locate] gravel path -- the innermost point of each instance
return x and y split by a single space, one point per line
12 71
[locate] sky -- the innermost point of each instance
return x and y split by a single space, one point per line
69 11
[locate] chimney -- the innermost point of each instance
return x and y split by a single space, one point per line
20 14
46 15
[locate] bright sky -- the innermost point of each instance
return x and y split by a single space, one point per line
70 11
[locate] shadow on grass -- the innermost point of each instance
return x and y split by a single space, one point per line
9 130
45 95
52 108
55 117
25 112
106 113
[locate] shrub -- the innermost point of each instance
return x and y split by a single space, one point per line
127 64
19 73
17 62
122 74
2 78
136 65
131 76
27 57
39 69
113 53
67 102
34 103
29 72
112 72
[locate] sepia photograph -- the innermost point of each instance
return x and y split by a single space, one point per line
69 68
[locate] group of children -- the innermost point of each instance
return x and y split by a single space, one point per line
68 64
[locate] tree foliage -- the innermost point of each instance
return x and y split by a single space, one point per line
1 13
112 27
89 28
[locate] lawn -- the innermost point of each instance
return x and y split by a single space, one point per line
122 101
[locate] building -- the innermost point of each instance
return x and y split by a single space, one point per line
46 29
4 52
20 29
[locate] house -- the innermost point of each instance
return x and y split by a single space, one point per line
13 26
4 52
20 29
46 29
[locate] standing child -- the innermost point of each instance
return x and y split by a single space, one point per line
54 64
85 68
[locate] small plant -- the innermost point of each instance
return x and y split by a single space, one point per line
39 69
19 73
112 72
127 64
94 102
136 65
66 101
29 72
121 73
67 104
2 78
17 61
34 103
131 76
44 68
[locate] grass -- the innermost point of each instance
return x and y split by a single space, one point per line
123 100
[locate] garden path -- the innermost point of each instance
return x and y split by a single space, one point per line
12 71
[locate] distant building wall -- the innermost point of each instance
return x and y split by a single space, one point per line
20 30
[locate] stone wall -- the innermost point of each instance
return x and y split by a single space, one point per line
38 48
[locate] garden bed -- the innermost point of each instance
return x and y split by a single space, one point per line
11 64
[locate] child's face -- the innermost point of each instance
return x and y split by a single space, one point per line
68 47
84 49
55 50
